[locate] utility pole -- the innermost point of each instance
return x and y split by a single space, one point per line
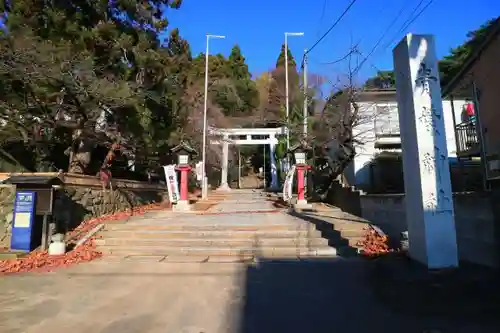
286 95
287 106
204 184
306 113
264 167
239 167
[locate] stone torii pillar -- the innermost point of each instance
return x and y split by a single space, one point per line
274 171
224 186
429 199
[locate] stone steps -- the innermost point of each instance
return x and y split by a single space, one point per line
209 242
235 237
206 239
217 234
284 252
333 239
205 227
343 230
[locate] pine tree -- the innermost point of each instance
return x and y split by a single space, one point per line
74 62
281 58
237 64
241 77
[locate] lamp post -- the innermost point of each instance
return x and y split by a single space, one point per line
287 106
204 190
305 111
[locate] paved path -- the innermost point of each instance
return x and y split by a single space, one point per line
244 201
152 297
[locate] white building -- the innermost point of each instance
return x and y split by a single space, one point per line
378 131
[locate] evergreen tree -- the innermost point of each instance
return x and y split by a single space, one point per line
245 87
277 94
237 64
451 64
281 58
86 70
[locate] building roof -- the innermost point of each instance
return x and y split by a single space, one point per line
184 146
473 58
33 180
369 95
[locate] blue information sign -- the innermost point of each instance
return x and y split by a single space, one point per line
24 215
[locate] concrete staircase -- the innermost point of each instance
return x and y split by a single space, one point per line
214 242
242 226
251 181
343 230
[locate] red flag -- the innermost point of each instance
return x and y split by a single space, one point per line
470 109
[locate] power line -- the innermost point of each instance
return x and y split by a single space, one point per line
358 51
390 25
323 10
394 20
403 29
333 26
404 25
418 15
344 57
354 50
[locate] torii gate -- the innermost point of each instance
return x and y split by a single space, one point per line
246 136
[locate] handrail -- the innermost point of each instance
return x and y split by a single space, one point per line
467 138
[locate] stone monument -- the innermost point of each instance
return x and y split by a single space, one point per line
429 199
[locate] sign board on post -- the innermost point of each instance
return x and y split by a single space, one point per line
24 216
199 171
287 186
172 184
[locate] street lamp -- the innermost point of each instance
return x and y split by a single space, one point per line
204 190
286 88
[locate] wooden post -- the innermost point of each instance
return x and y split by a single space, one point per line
45 232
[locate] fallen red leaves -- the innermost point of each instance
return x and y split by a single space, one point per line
40 261
375 244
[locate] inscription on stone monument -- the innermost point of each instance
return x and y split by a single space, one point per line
424 77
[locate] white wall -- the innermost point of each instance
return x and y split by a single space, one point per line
358 173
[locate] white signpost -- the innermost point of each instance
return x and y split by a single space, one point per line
172 183
429 199
199 171
287 186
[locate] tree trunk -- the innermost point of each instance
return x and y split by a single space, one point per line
80 154
79 161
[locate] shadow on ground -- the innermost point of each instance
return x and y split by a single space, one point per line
336 295
329 232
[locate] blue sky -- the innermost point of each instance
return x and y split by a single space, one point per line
258 27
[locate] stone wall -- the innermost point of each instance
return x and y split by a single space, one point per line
344 197
7 194
473 219
82 197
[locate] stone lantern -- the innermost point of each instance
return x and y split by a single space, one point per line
299 153
184 153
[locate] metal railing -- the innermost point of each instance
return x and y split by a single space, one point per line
467 140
